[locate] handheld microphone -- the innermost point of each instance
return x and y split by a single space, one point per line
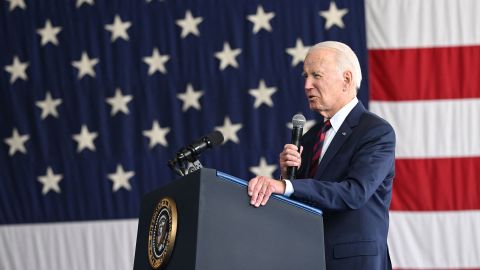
298 122
191 152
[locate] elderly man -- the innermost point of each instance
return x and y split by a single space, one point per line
346 163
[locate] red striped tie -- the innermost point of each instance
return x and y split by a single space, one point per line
317 148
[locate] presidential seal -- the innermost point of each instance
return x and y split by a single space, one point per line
162 233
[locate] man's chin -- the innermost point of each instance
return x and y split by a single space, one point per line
320 110
316 107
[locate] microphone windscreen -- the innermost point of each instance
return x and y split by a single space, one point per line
215 137
298 120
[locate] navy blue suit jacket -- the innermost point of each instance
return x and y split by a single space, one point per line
353 186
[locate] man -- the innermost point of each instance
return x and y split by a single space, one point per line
346 163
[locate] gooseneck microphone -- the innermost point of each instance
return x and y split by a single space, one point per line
186 159
298 122
191 152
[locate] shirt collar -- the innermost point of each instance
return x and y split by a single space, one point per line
339 117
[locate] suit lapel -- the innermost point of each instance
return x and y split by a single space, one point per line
341 136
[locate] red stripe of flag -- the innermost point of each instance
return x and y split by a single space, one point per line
420 74
436 184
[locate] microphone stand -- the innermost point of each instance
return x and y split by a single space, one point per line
183 167
186 160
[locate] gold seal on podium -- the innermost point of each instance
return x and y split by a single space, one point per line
162 233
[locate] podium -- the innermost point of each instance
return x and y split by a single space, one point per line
205 221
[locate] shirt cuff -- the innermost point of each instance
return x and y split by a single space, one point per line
288 188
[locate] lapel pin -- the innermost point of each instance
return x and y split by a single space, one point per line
344 133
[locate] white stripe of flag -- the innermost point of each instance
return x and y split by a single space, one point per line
433 128
422 23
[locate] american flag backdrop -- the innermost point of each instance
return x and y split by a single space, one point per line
96 96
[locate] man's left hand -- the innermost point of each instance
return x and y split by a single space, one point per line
261 188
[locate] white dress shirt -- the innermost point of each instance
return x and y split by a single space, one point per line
336 121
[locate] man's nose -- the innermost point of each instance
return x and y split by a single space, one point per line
308 83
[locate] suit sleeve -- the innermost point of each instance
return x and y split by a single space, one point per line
371 164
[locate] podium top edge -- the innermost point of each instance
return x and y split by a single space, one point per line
275 196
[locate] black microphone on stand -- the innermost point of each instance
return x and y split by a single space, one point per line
191 152
186 159
298 122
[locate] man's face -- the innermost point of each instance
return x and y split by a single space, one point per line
324 85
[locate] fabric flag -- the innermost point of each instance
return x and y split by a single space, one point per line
96 96
424 79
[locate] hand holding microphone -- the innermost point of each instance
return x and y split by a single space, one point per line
290 158
260 188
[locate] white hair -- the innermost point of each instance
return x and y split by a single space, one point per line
346 59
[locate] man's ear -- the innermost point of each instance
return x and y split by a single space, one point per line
347 79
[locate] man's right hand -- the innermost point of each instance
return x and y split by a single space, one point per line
290 157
